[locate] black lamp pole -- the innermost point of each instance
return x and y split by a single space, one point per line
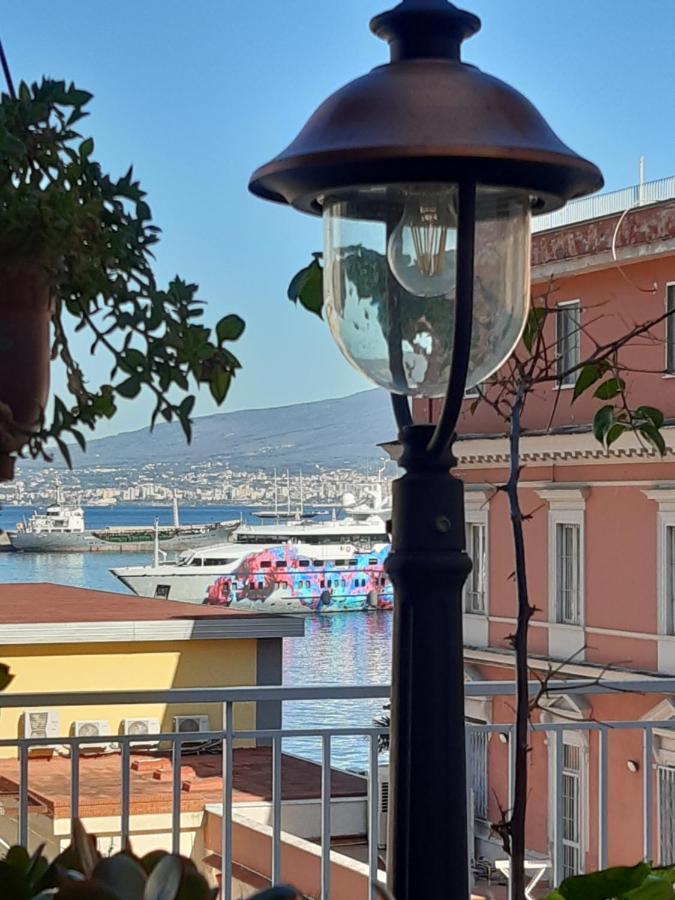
428 565
426 118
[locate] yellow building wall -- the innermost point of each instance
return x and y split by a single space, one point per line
128 666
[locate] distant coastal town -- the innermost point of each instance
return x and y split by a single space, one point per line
201 484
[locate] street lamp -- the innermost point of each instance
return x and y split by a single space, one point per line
426 172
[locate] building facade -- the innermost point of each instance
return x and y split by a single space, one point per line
599 532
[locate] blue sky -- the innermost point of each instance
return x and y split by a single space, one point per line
197 94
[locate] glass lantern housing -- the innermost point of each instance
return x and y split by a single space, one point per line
389 281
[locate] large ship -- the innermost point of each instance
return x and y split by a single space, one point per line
289 577
61 529
303 565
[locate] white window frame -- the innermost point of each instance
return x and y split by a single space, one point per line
567 506
480 710
478 519
477 512
668 363
665 519
568 613
663 752
561 308
574 709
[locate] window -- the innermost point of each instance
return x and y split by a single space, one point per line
666 795
475 587
265 564
568 573
571 809
478 769
568 341
303 563
670 575
670 329
280 565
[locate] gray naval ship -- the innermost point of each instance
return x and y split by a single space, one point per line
61 529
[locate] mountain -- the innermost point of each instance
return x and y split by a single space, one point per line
330 433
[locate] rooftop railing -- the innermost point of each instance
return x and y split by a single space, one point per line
607 204
562 849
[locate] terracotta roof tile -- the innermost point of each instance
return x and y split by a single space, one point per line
30 604
100 783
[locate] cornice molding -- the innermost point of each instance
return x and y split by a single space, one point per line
561 449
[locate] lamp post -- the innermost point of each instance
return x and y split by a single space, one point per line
426 172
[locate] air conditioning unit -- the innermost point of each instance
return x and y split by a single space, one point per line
185 724
382 805
92 728
141 726
41 723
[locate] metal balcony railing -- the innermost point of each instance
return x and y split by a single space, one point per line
607 204
562 846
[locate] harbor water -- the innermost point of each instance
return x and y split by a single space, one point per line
340 648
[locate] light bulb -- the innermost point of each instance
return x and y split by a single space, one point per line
421 248
390 297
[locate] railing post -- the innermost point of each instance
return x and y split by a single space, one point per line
648 792
74 783
23 795
276 810
373 817
325 816
126 794
602 797
558 853
228 783
176 752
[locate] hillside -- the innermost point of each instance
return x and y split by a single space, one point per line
329 433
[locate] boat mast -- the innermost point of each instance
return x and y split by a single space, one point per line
288 491
155 555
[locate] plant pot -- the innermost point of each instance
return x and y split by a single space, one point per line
25 314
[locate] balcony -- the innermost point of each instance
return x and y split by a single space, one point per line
251 812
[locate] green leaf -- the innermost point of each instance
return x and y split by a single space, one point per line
86 148
164 879
13 884
614 433
533 326
307 287
219 385
652 434
18 857
649 412
85 847
230 328
589 374
610 388
602 422
129 388
610 883
123 875
65 452
5 676
652 888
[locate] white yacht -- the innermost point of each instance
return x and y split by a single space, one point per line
288 577
333 560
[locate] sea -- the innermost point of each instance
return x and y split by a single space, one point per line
339 648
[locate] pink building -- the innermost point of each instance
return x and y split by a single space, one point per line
600 542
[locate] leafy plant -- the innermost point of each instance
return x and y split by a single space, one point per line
81 873
640 882
93 233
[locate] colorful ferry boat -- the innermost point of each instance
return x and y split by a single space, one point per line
290 577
